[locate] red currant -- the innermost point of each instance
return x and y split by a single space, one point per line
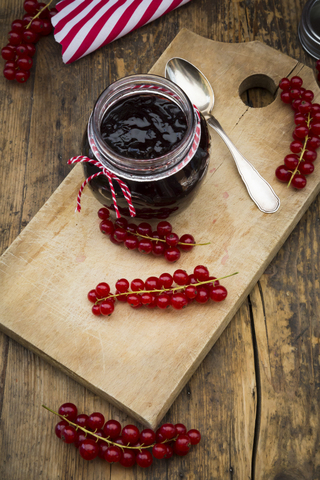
92 296
134 300
163 300
137 284
308 95
130 434
102 290
315 128
103 213
89 449
172 239
182 444
31 6
296 146
9 73
166 280
25 62
47 27
17 26
180 277
145 229
218 293
201 273
180 429
159 450
96 310
299 181
168 430
313 143
202 295
8 52
29 36
82 420
188 240
285 84
37 25
95 420
69 434
306 168
128 459
172 254
14 38
131 242
59 427
296 82
286 97
145 246
152 283
112 429
147 436
68 410
309 155
291 161
113 454
195 436
106 308
164 228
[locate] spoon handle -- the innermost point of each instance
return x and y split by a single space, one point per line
258 188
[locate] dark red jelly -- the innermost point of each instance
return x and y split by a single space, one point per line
143 126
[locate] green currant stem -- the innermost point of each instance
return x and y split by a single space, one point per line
301 153
141 447
39 13
163 240
173 289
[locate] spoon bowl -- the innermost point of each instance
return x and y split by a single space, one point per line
199 90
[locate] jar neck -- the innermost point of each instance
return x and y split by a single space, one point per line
141 169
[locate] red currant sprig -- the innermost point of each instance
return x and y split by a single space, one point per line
306 136
128 446
160 291
162 242
23 36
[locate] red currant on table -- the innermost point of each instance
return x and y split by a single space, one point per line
89 449
131 448
68 410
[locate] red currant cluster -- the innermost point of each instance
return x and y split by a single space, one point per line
162 242
159 291
96 438
22 38
306 135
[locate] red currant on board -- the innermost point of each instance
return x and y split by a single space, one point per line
69 434
144 459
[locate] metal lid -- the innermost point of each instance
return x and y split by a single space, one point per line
309 28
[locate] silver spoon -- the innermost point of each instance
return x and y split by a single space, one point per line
200 92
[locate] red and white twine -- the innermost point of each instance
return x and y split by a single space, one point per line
111 176
104 171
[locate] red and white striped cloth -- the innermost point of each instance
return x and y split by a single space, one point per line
82 26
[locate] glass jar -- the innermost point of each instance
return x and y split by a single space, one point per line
160 186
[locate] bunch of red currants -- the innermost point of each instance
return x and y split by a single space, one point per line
162 242
23 36
128 446
306 135
159 292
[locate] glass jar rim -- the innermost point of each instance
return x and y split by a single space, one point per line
141 169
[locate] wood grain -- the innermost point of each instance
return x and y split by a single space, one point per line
212 399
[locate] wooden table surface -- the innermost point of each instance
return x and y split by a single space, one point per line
256 396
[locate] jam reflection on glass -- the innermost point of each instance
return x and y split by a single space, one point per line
146 127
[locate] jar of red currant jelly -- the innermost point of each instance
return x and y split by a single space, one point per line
144 130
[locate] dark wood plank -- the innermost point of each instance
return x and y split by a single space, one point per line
258 432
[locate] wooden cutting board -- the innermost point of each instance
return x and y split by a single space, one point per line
141 359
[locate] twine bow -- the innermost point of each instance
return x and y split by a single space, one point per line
110 176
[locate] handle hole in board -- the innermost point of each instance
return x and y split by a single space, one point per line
258 91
